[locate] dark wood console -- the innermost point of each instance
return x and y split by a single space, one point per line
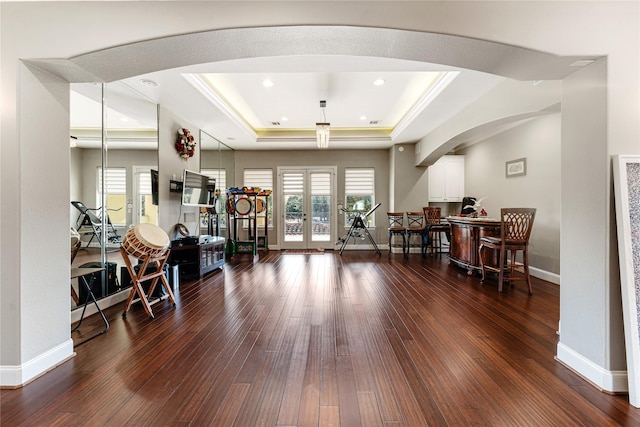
465 241
194 261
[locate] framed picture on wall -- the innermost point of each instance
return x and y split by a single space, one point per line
626 177
516 167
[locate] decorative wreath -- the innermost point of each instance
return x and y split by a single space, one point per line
185 144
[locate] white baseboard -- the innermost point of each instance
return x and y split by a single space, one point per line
17 376
545 275
609 381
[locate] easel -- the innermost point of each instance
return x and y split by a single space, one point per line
357 227
138 277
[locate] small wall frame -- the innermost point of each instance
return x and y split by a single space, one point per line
626 177
517 167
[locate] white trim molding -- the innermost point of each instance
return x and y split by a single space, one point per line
609 381
20 375
544 275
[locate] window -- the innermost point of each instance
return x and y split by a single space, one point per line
359 192
147 212
116 192
220 175
262 178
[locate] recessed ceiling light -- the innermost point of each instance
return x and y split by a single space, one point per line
379 82
148 82
267 83
363 117
284 118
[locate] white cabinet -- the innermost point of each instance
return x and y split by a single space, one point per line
446 179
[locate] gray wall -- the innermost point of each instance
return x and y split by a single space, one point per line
86 160
377 159
587 236
408 182
537 140
171 211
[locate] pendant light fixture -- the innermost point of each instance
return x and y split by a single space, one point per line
322 129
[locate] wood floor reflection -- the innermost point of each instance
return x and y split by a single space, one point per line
324 339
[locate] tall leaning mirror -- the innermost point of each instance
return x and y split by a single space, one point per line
114 164
217 161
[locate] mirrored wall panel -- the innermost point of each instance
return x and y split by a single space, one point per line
114 169
217 161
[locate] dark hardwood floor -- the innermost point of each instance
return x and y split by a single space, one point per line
323 339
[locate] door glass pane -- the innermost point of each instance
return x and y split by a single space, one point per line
293 190
320 207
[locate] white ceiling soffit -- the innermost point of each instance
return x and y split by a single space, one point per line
313 49
237 43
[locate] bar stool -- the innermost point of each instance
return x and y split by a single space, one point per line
397 228
515 229
434 227
415 227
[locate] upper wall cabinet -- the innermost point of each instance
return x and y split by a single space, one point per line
446 179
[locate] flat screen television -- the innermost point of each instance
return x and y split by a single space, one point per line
154 186
198 189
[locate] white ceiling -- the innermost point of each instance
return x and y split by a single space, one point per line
228 101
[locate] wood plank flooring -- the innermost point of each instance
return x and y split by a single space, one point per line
324 340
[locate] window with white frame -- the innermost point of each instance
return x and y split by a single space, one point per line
116 192
147 212
262 178
359 191
220 175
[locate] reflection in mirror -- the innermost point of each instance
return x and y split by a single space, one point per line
217 161
112 171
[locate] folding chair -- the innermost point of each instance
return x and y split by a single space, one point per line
88 219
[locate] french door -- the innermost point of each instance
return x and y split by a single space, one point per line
307 219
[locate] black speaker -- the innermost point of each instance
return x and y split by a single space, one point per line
95 281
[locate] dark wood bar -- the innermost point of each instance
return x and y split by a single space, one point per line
465 240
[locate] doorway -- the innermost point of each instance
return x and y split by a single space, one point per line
307 198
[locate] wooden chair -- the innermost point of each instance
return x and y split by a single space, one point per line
515 229
397 228
415 227
434 227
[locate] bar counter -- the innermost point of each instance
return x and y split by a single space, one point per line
465 241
